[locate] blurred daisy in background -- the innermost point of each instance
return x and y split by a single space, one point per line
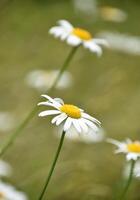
70 115
88 7
122 42
7 121
42 80
5 169
75 36
91 136
128 147
113 14
8 192
136 172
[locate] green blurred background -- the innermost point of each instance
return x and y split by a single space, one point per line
107 88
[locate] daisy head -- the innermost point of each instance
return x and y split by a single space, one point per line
75 36
8 192
68 114
128 147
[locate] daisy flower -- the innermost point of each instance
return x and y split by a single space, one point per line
128 147
69 114
75 36
8 192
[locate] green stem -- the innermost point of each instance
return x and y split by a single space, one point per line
53 166
13 136
129 180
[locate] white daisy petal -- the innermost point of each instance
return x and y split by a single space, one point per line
91 125
59 100
92 46
83 125
54 119
86 116
67 124
61 119
65 24
101 42
76 125
49 112
131 156
56 103
115 142
46 103
56 31
73 40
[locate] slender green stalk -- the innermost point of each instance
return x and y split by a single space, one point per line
128 181
52 167
25 122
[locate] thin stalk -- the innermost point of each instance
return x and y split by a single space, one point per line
128 181
52 167
25 122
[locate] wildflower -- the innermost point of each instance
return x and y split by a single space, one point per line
8 192
128 147
113 14
75 36
43 80
71 115
131 44
88 7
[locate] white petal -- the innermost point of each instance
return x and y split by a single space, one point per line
101 42
91 124
51 100
86 116
115 142
92 46
132 156
46 103
56 31
59 101
65 24
76 125
61 119
67 124
56 118
49 112
83 125
73 40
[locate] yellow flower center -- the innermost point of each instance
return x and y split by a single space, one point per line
71 110
82 34
134 147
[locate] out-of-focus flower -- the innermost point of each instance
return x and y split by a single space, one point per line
88 7
128 147
112 14
8 192
42 80
76 36
136 172
122 42
69 114
7 121
91 136
5 169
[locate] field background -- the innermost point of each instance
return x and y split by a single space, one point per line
107 88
